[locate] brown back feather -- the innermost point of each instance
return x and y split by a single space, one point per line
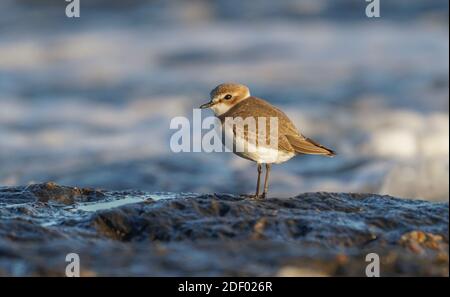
289 138
303 145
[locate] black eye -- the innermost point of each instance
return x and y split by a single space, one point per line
228 96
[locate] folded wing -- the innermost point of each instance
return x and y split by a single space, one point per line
303 145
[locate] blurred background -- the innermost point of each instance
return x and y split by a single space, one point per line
88 101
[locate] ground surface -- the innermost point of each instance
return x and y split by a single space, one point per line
211 235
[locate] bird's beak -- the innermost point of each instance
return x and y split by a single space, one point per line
206 105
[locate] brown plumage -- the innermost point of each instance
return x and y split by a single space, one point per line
234 101
289 139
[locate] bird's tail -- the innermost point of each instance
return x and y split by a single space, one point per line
303 145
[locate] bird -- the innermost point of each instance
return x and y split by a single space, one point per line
232 101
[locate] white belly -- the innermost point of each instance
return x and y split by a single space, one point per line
259 154
265 155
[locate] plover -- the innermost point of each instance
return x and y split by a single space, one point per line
231 101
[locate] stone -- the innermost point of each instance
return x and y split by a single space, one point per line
218 234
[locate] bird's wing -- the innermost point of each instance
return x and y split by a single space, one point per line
259 108
303 145
289 138
249 135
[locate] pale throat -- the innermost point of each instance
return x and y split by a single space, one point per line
220 108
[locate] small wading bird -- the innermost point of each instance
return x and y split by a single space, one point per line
232 100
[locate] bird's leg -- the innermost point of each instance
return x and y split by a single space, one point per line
258 180
266 181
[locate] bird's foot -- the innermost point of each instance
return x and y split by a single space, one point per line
251 196
257 197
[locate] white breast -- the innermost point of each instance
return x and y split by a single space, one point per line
259 154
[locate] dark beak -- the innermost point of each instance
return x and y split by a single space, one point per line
206 105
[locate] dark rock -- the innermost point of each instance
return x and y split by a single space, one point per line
189 234
67 195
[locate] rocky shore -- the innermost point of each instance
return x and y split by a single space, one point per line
132 233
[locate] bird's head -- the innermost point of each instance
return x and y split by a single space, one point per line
225 96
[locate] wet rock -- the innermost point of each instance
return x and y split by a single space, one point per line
191 234
419 241
67 195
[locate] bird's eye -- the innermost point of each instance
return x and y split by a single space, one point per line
228 96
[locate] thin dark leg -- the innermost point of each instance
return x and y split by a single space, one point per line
266 181
258 180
